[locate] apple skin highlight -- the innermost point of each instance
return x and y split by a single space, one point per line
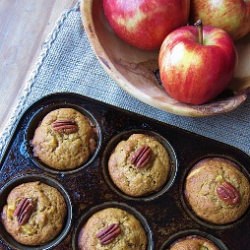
145 23
231 15
196 73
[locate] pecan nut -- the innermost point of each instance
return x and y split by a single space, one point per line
141 156
228 193
108 234
65 126
24 210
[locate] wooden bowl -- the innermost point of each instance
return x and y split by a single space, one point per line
136 70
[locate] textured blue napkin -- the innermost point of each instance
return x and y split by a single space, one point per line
68 64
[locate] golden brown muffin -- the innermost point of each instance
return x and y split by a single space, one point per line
64 140
34 213
112 229
140 165
194 243
217 190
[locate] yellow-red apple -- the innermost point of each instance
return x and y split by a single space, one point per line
145 23
231 15
196 65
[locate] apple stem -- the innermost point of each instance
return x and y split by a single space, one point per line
199 26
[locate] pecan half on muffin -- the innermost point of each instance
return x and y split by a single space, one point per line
193 242
217 190
112 229
34 213
139 165
64 140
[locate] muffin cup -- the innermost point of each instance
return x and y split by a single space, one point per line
83 219
192 233
125 135
190 211
34 123
4 192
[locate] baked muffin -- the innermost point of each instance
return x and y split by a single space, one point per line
193 243
139 165
64 139
34 213
112 229
217 190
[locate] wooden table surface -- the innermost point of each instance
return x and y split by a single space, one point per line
24 25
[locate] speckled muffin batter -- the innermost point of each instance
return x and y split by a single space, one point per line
34 213
140 165
194 243
217 190
112 229
64 140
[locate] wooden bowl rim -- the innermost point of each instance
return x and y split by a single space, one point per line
210 109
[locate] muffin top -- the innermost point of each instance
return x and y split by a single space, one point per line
34 213
217 190
194 243
139 165
112 229
64 139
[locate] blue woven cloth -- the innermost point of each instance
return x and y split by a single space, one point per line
68 64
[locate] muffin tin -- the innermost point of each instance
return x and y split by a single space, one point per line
84 218
18 180
36 119
192 233
164 214
124 136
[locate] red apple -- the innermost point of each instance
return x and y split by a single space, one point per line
145 23
231 15
195 71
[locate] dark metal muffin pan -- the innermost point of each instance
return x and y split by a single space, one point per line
188 208
20 179
193 234
88 187
34 123
120 205
124 136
